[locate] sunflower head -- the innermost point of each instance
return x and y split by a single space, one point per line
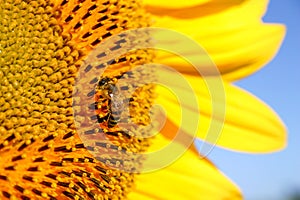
42 46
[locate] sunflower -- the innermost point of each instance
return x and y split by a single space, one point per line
43 46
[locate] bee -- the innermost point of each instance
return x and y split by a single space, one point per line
110 102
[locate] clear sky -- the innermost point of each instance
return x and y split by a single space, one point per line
273 176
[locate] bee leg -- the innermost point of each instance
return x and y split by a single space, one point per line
103 119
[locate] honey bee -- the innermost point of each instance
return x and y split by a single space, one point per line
110 102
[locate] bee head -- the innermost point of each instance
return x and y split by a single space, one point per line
103 81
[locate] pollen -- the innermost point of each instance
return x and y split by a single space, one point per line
42 46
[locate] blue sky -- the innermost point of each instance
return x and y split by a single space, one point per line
273 176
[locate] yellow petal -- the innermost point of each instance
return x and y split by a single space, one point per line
241 122
236 54
188 178
238 43
213 11
173 4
